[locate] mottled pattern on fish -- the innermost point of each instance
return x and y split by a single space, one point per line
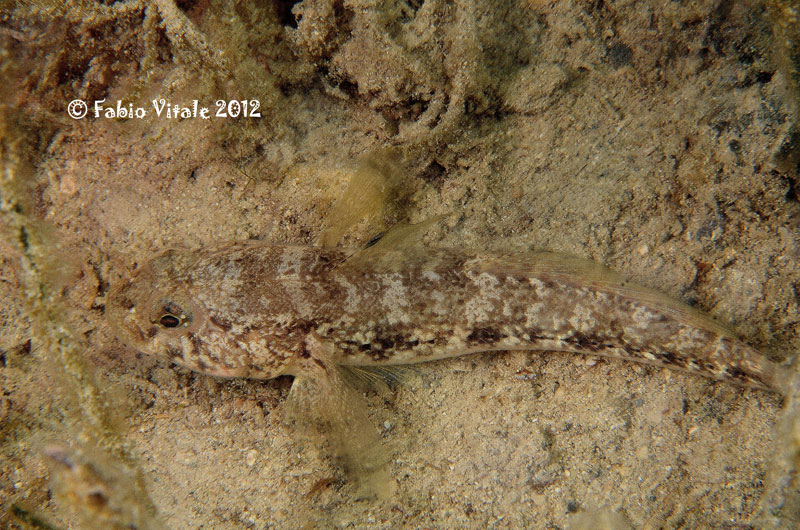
257 310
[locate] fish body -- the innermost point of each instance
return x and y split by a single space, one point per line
256 310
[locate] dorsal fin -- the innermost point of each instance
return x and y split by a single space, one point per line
591 273
398 245
374 185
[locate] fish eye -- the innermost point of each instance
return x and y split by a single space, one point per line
169 321
173 315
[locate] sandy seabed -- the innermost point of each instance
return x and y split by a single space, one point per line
657 138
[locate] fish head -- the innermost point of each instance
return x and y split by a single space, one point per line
160 311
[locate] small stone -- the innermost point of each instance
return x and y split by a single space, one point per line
250 458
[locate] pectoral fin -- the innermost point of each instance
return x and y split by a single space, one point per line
322 395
